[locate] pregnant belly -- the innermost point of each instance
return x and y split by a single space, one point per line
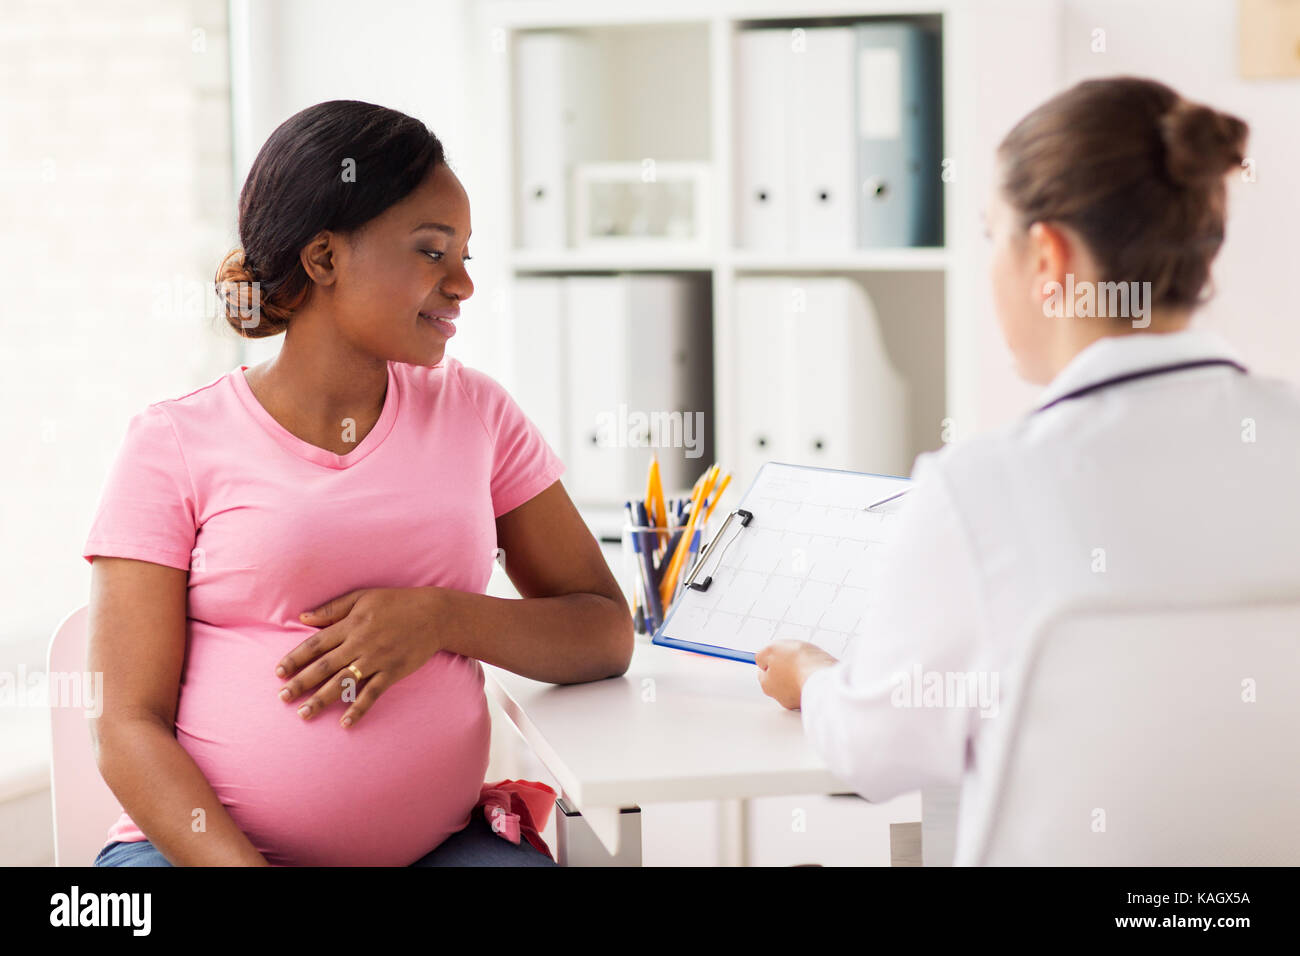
383 792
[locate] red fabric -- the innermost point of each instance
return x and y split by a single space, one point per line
518 809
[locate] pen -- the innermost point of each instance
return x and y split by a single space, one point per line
882 501
638 615
644 580
690 561
654 606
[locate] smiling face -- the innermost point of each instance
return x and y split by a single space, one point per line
400 279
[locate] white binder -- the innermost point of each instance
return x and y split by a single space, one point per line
821 135
850 409
639 363
763 338
815 385
556 109
798 559
539 347
596 381
763 180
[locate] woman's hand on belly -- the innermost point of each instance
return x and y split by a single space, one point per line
384 633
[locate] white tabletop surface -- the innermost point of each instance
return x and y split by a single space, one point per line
676 726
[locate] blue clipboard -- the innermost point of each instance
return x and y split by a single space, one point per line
749 514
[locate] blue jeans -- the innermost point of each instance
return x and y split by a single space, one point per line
476 845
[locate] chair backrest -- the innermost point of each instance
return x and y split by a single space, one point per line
1162 737
84 807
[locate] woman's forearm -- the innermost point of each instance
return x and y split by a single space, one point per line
563 640
161 788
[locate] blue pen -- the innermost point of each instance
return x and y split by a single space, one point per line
690 560
642 618
654 608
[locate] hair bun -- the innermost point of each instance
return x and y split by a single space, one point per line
234 268
1201 144
247 308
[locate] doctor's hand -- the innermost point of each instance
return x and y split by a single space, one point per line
385 633
783 666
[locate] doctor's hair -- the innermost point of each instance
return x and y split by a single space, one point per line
1138 171
335 166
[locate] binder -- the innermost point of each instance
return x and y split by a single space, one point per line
762 199
796 559
815 383
596 381
539 346
762 343
556 109
822 140
850 410
898 126
639 362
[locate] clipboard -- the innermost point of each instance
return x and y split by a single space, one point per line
795 560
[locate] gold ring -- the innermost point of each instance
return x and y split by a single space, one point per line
353 668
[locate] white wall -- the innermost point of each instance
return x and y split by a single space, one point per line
114 196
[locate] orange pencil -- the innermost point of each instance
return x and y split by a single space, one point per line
667 585
654 503
721 488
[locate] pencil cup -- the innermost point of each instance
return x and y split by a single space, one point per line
645 558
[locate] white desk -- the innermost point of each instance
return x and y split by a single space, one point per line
676 726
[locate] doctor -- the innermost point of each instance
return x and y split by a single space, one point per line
1156 468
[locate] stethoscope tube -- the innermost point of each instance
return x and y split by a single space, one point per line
1141 373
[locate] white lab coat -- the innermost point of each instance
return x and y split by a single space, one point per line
1182 486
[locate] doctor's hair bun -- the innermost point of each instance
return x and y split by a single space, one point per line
1201 144
1138 171
330 168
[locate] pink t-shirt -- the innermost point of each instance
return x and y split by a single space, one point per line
270 526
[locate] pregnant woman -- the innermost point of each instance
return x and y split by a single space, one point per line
289 562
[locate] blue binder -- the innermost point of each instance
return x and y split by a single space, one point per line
898 113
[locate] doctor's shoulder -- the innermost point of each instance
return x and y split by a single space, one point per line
973 461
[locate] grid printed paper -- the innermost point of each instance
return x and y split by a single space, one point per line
801 569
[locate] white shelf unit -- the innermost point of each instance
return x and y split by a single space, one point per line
923 295
999 59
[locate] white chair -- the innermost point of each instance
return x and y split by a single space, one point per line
84 807
1146 737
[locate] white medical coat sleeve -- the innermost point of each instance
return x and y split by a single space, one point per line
875 718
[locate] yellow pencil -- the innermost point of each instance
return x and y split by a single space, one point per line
649 491
721 488
668 584
654 504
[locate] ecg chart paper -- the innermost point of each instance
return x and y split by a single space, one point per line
802 568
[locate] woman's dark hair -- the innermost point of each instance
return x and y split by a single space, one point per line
335 165
1137 171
